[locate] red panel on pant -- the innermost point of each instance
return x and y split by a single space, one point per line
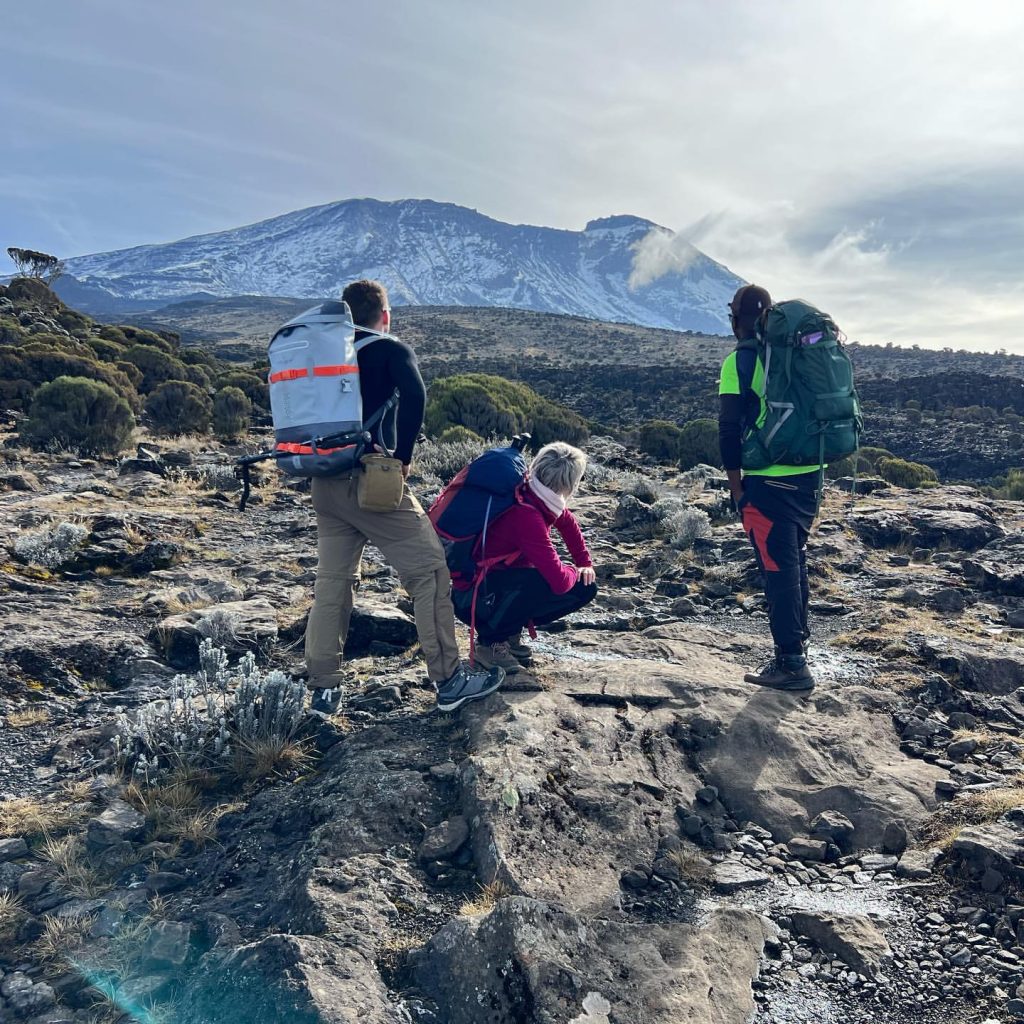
757 527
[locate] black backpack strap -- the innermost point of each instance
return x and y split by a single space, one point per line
329 439
746 364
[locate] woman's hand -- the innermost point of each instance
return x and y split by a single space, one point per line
587 575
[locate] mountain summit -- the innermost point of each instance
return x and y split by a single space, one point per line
427 253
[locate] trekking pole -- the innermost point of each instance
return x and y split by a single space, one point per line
242 469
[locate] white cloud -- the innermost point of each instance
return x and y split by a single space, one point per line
788 115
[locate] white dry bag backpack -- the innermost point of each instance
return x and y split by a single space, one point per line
315 399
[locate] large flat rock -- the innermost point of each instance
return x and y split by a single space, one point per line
527 953
550 771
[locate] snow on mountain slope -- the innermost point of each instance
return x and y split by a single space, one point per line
427 253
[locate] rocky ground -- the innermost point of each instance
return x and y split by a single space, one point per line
629 834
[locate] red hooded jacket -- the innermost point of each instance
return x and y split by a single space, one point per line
526 528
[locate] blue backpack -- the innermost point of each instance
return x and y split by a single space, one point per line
481 492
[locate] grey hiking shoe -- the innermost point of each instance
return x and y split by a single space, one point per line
497 655
325 702
466 685
788 672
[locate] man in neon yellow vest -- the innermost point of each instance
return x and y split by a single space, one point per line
778 503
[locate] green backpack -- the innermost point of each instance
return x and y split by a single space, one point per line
812 413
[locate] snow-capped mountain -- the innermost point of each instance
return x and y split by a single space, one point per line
427 253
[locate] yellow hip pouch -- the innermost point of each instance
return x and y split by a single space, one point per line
381 484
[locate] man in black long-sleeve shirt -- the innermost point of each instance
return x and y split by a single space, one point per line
403 534
778 503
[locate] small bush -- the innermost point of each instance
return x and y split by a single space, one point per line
660 439
188 730
639 486
231 413
687 525
698 444
210 723
442 460
269 706
907 474
457 435
1011 486
177 407
50 546
494 407
77 414
157 366
252 385
108 351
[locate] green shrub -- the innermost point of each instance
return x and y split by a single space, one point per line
872 456
131 371
166 341
43 343
660 439
849 466
199 357
254 386
1010 487
698 443
231 413
456 435
906 474
156 365
111 333
493 407
107 351
42 364
78 414
11 332
77 323
198 375
177 407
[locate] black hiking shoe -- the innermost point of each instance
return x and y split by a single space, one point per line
466 685
325 703
787 672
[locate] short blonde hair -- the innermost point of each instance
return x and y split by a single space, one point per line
559 466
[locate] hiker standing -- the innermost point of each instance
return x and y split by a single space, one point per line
403 533
778 503
529 582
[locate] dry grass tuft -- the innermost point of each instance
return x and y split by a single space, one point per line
256 759
27 717
174 811
994 803
485 902
61 936
77 791
27 817
12 913
691 864
952 818
76 875
983 737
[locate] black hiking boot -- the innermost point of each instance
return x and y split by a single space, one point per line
466 685
788 672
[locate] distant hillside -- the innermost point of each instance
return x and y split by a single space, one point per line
427 253
618 375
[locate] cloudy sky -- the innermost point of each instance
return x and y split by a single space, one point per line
867 156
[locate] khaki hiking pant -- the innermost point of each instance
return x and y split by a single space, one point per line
407 540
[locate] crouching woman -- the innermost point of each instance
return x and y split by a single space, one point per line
534 585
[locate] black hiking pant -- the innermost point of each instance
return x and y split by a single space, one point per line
508 599
778 513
